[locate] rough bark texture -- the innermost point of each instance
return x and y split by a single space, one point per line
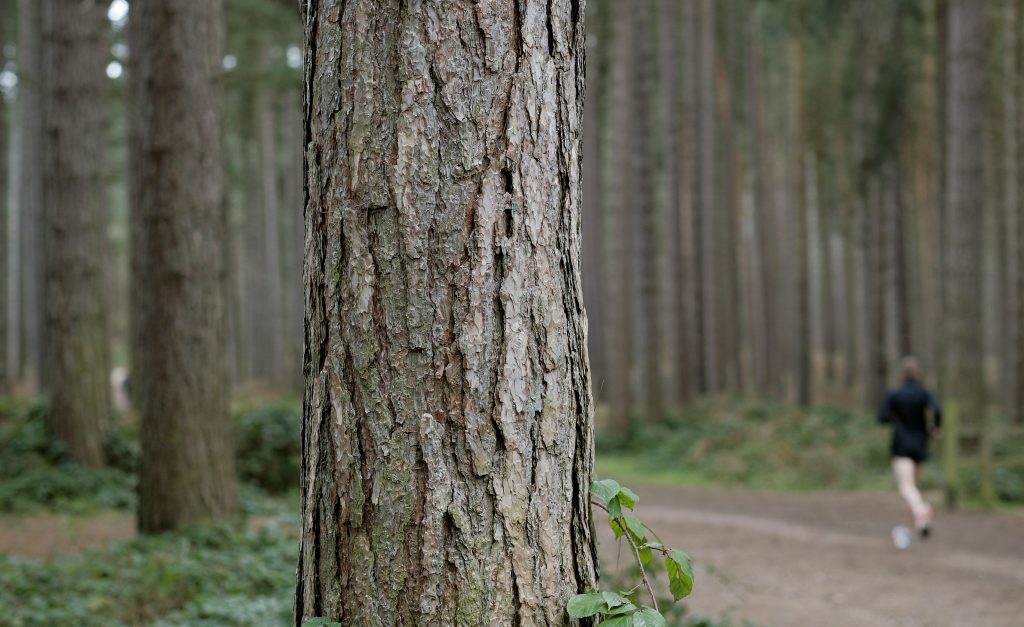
447 421
178 228
964 367
77 133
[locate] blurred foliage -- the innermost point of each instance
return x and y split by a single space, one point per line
268 446
763 444
36 471
203 576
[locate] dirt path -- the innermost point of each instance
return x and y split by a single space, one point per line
827 559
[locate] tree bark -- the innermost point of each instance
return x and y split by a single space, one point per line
706 192
77 134
1015 226
965 379
447 437
270 197
620 182
178 274
29 180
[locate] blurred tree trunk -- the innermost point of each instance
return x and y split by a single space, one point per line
1013 377
619 186
965 378
178 277
294 237
10 238
272 300
691 374
76 47
759 275
802 345
28 119
706 211
649 154
901 250
447 421
594 206
1015 225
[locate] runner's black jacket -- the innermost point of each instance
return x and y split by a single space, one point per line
906 408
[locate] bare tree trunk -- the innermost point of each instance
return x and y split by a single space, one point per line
291 125
272 300
965 368
1013 132
594 207
77 133
9 281
447 422
178 275
691 347
1015 227
619 185
706 194
29 122
802 345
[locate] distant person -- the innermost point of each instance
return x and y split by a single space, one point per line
915 415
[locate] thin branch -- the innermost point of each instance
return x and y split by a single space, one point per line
636 552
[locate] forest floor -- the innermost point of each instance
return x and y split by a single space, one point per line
821 558
771 558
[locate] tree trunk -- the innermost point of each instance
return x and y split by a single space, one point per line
270 197
291 125
447 438
178 275
1015 226
77 133
619 185
706 186
29 179
965 368
690 344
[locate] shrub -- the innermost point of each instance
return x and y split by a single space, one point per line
268 446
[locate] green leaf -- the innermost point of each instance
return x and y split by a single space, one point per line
625 608
614 508
648 617
636 529
618 621
628 497
605 490
657 546
680 573
584 605
645 555
614 599
616 527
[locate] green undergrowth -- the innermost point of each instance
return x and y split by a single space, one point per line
757 444
204 576
37 473
770 445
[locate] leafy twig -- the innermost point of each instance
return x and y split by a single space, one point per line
636 552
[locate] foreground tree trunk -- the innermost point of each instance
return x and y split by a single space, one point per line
77 133
447 439
178 269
